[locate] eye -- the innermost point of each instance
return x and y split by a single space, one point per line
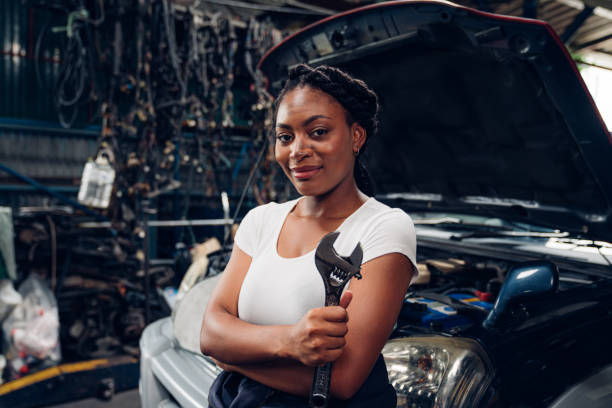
319 132
284 138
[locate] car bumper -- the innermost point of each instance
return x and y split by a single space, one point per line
169 375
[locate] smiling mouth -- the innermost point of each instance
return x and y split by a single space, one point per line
305 172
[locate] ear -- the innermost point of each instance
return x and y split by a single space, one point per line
358 135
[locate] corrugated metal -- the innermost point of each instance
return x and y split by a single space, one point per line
598 27
53 157
21 96
45 156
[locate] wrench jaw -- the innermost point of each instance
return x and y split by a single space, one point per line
356 258
337 277
336 270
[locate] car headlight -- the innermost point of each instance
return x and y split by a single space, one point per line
437 372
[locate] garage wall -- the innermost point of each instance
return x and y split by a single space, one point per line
31 140
20 29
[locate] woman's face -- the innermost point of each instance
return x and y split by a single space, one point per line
314 144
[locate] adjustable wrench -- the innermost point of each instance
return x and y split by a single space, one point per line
336 271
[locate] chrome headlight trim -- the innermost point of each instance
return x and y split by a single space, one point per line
435 371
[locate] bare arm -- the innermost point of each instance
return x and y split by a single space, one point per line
227 338
377 300
317 338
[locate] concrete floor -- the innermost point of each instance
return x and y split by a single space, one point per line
125 399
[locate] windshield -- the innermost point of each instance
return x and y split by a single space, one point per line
467 221
520 235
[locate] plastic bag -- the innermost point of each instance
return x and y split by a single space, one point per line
197 270
2 365
9 298
31 330
7 249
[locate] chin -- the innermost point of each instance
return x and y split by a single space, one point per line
304 189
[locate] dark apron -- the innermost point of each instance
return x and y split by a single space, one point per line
233 390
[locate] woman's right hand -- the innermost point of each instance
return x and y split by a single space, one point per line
319 337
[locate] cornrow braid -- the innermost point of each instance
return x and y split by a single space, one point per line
357 99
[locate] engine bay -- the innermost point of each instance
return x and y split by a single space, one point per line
452 292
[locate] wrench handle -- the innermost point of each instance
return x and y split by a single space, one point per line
332 299
319 393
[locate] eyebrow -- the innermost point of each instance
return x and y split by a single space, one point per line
305 123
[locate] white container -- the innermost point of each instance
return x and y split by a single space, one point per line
97 183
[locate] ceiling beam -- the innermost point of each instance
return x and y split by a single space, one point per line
607 4
579 5
592 43
570 32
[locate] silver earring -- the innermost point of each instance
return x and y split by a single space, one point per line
356 153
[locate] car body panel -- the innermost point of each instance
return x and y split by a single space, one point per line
171 373
594 392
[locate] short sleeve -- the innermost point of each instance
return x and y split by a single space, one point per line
248 231
392 231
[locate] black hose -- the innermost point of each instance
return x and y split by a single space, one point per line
39 41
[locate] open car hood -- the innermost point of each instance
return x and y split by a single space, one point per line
481 113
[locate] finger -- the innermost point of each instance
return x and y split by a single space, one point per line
346 298
334 329
326 356
335 314
333 343
332 355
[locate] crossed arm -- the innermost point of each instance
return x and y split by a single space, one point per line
284 356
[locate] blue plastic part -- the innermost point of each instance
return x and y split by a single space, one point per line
529 279
442 314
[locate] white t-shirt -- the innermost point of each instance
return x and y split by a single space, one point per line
279 290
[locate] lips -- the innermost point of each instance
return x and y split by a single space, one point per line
305 172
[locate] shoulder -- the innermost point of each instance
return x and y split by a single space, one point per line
273 207
258 224
379 216
386 230
267 211
262 210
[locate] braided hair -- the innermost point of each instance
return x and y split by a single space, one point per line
358 100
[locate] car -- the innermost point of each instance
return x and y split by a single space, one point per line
490 139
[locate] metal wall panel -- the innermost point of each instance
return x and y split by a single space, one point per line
46 153
31 142
21 96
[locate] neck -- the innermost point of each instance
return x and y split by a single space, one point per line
338 203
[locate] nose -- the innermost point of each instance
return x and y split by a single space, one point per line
300 148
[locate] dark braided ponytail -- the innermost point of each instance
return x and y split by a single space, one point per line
357 99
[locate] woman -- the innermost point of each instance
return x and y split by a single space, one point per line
265 322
